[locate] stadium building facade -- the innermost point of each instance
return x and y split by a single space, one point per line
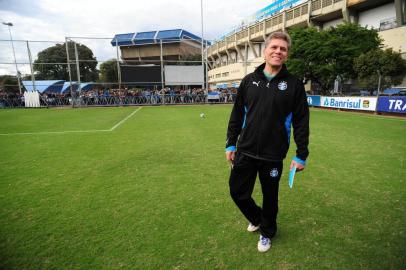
155 58
239 52
173 44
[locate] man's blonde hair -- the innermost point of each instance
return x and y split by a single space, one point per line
278 35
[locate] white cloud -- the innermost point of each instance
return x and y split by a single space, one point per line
55 19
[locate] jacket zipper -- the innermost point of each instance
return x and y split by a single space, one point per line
260 122
267 86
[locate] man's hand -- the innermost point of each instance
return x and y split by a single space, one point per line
299 167
230 155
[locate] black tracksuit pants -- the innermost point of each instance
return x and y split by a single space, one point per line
242 181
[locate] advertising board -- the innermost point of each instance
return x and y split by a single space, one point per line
350 103
313 101
392 104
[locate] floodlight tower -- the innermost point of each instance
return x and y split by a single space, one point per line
9 24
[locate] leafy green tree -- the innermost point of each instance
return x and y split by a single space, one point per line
9 84
305 56
387 64
51 63
108 71
324 56
351 40
189 60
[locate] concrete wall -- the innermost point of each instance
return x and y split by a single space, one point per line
154 50
233 72
332 23
354 2
373 17
395 38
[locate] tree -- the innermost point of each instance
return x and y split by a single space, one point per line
9 84
189 60
387 64
350 40
51 63
324 56
108 71
306 60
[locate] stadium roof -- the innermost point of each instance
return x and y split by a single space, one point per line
57 86
42 86
154 37
66 87
86 86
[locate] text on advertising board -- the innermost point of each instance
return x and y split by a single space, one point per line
352 103
392 104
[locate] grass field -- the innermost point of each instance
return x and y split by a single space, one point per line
153 193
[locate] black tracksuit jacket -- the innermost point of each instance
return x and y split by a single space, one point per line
263 114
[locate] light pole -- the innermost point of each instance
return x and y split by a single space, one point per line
9 24
379 81
202 41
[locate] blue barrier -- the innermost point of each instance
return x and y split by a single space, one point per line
313 101
392 104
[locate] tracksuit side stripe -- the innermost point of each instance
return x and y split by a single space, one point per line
288 124
245 116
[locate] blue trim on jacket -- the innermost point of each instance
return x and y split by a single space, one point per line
231 148
298 160
288 124
245 116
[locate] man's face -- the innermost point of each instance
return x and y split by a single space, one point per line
276 53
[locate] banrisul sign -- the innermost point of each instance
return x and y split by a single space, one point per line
392 104
350 103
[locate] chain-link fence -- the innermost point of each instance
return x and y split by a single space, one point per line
69 73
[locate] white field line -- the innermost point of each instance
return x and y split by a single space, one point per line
56 132
73 131
125 119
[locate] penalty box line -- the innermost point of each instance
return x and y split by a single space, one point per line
125 119
75 131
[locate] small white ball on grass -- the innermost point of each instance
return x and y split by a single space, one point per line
202 115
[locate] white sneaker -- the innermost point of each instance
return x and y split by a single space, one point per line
264 244
252 228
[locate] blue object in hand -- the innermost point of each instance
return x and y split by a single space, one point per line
292 176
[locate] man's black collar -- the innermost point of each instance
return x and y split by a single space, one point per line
259 71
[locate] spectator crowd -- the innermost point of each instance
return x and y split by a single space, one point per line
125 96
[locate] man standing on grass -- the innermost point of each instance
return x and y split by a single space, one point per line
268 102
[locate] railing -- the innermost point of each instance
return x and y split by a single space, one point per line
316 5
17 102
277 19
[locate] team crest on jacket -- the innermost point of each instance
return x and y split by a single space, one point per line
282 85
274 172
